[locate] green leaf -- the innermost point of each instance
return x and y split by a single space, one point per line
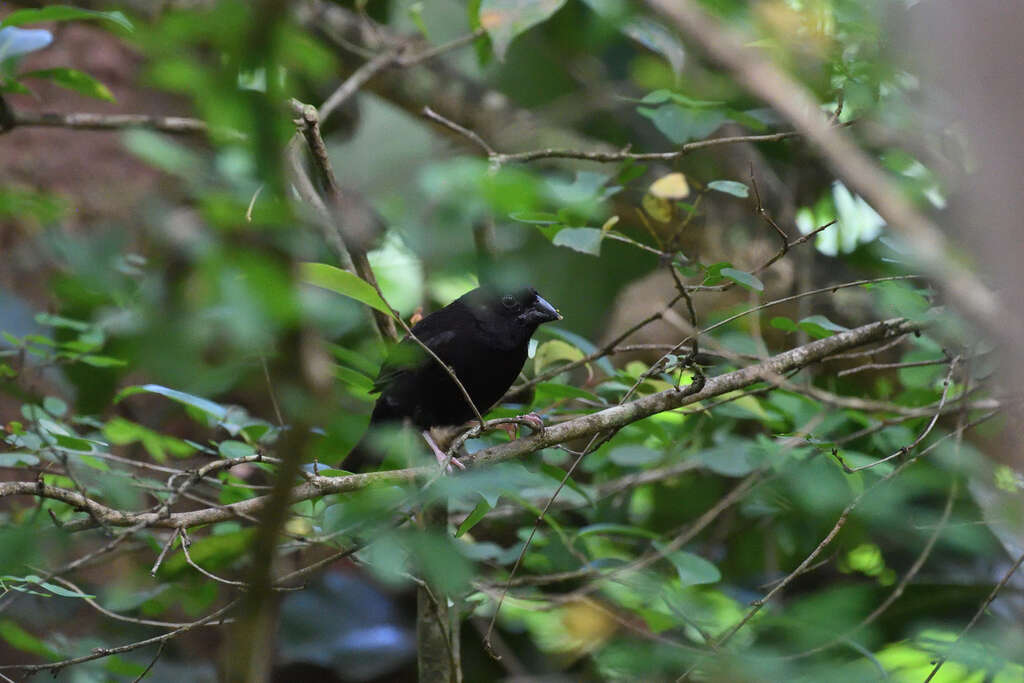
902 299
505 19
14 459
742 278
102 361
605 528
216 411
478 513
534 217
211 553
64 592
120 431
581 343
643 30
657 97
162 151
416 15
634 456
14 87
73 443
73 79
235 449
94 463
819 327
54 406
583 240
354 379
732 187
662 96
733 458
20 639
63 13
657 38
713 273
343 282
682 124
38 581
693 569
550 390
924 376
783 323
60 321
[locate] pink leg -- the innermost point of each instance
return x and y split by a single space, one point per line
439 454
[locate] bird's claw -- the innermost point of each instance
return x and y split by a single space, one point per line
533 420
536 421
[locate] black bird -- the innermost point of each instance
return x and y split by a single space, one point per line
483 336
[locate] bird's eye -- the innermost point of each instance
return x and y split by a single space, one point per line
509 301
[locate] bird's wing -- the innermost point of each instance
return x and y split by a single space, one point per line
408 356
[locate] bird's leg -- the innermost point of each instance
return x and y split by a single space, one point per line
442 458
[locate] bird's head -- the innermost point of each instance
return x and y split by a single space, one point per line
524 307
529 308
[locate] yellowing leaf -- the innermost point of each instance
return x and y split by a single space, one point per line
586 625
672 186
554 351
72 79
657 208
609 224
298 526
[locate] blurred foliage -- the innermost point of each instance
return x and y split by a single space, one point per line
189 335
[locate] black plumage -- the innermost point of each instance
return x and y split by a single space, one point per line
483 336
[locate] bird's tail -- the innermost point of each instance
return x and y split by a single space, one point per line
368 453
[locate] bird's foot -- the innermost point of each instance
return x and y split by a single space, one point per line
532 420
535 421
442 458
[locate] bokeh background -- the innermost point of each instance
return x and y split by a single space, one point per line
157 318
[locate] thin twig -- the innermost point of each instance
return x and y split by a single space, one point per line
892 366
99 653
613 157
122 617
613 417
91 121
343 207
763 78
461 130
455 43
164 551
358 79
946 384
145 672
977 615
758 604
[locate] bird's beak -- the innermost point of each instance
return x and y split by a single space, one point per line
542 312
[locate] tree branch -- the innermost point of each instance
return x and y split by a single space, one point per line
90 121
586 425
757 73
353 219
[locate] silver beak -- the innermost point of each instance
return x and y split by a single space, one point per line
550 312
